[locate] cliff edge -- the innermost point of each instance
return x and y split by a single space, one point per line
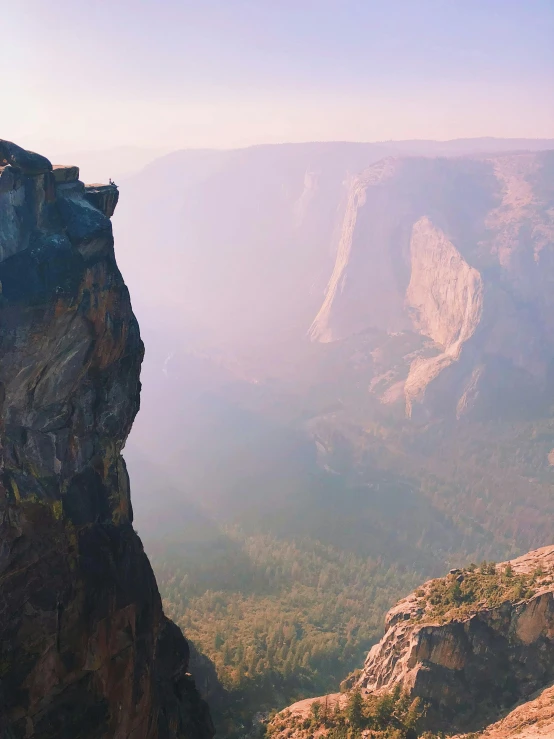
85 649
472 644
470 652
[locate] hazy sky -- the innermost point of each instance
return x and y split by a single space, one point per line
174 73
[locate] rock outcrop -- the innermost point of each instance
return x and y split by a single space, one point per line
377 304
85 649
475 650
460 251
469 661
445 298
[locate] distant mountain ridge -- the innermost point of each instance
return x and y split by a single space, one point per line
448 248
260 244
440 312
243 227
415 424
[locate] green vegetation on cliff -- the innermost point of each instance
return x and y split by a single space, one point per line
392 715
474 588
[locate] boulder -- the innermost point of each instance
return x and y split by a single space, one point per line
27 161
65 173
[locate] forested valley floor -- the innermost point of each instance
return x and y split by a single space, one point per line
280 620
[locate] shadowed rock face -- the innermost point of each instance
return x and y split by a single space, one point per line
85 649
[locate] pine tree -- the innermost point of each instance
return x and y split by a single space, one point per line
413 714
315 710
355 709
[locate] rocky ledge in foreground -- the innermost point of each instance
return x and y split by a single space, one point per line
85 649
471 644
462 653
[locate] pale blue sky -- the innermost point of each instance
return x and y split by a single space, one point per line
174 74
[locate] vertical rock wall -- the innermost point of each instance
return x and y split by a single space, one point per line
85 649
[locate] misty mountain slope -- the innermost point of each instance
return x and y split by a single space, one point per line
459 250
246 466
246 239
438 303
246 236
412 426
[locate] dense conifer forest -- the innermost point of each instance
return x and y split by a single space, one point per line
281 620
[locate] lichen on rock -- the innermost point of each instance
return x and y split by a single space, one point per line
85 649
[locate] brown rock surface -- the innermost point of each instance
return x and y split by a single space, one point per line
85 649
103 197
470 662
65 173
487 670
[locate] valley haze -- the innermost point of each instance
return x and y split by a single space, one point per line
387 397
383 414
277 369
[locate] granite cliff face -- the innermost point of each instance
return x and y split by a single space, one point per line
477 649
85 649
460 251
250 237
470 662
